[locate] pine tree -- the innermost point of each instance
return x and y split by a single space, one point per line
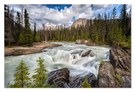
114 13
124 19
27 31
34 35
40 77
22 79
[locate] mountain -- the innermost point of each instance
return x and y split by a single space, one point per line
79 22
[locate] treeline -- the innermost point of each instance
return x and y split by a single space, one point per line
17 28
107 28
22 77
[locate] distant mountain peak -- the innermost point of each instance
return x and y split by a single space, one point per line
80 22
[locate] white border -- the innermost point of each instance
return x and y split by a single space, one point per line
2 89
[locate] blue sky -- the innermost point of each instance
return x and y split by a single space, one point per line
59 14
57 6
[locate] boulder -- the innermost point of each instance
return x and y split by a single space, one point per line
106 75
75 82
120 58
87 53
92 79
79 41
121 61
59 78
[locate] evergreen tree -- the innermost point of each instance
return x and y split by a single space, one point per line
34 35
39 78
22 79
114 13
27 31
124 19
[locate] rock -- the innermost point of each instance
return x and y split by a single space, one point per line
121 61
120 58
92 79
59 78
79 42
126 81
106 75
75 82
86 42
87 53
122 72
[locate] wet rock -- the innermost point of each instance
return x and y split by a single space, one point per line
92 79
106 75
87 53
59 78
75 82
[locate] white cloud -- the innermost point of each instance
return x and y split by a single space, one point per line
43 14
49 16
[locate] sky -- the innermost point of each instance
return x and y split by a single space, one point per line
64 14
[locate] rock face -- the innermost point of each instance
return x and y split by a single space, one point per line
120 58
126 81
60 78
116 73
121 61
80 22
105 77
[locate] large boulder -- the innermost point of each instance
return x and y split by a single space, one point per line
92 79
106 75
59 78
119 58
76 81
121 61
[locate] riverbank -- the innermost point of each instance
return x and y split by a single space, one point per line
35 48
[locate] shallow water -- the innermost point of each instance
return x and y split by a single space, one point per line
66 56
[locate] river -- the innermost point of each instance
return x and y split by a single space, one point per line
69 55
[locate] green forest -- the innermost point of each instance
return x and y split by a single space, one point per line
107 28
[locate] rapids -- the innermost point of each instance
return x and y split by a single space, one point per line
66 56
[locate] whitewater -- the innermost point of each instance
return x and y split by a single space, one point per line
69 55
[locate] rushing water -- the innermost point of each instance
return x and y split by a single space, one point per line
66 56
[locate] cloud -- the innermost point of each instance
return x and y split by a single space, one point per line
56 16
